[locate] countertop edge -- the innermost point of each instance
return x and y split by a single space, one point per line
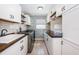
5 46
52 36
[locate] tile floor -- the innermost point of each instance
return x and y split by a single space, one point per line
39 48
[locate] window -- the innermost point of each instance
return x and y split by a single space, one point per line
40 26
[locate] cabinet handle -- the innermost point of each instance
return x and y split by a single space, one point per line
61 42
63 8
21 41
47 39
11 16
21 48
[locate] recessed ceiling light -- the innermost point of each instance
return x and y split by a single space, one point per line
40 8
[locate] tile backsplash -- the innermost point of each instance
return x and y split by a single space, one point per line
11 27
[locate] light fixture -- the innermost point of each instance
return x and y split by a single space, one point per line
40 8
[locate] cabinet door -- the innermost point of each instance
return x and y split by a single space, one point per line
23 45
5 11
70 25
50 45
16 13
48 17
10 12
47 42
45 37
27 20
59 9
19 48
69 48
56 46
12 50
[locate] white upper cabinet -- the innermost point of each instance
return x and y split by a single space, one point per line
10 12
59 9
50 14
53 11
67 7
53 45
27 20
48 17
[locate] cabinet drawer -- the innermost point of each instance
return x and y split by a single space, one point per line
50 45
56 46
12 50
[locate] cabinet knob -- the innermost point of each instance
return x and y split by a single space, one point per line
63 8
47 39
21 41
21 48
11 16
61 42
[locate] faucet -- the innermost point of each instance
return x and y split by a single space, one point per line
2 32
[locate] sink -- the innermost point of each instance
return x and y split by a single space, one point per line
10 38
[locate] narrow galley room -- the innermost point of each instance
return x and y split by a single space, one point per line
39 29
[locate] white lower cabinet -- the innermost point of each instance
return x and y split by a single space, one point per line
69 48
45 38
53 45
19 48
12 50
24 46
27 20
56 46
50 45
59 9
59 46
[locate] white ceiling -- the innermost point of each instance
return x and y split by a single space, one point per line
32 10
